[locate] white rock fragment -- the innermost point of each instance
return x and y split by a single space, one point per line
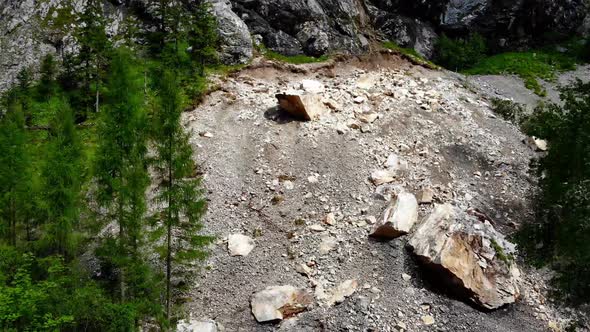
239 245
312 86
317 228
196 326
379 177
279 302
342 291
399 217
537 144
427 320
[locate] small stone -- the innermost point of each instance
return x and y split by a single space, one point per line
330 219
304 269
317 228
426 196
359 100
367 117
401 326
206 134
328 244
313 179
406 277
379 177
371 220
427 320
342 291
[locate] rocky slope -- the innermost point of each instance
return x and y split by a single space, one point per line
293 202
313 27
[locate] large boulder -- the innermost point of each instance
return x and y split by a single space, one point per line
302 105
468 254
279 302
399 217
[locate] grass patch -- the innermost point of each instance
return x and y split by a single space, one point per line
529 66
294 59
501 254
410 53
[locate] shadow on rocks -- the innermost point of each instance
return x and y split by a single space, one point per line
279 116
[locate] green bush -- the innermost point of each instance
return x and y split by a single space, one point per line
561 236
460 54
585 51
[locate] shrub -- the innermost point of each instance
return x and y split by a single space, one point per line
509 110
460 54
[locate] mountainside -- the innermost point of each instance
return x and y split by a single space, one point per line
29 29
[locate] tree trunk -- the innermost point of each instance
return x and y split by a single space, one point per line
169 239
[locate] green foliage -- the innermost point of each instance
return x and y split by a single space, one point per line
120 165
15 175
460 54
62 182
562 235
48 84
48 295
180 193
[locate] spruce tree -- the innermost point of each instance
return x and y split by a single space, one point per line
61 182
120 167
180 193
15 176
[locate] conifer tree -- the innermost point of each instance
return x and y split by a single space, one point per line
61 182
94 51
120 167
48 85
180 193
15 174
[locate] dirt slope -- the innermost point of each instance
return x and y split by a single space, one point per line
270 177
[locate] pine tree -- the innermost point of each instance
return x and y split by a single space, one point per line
120 168
202 35
180 193
94 52
15 176
62 182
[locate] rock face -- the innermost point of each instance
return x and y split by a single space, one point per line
399 217
236 42
314 27
279 302
475 258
